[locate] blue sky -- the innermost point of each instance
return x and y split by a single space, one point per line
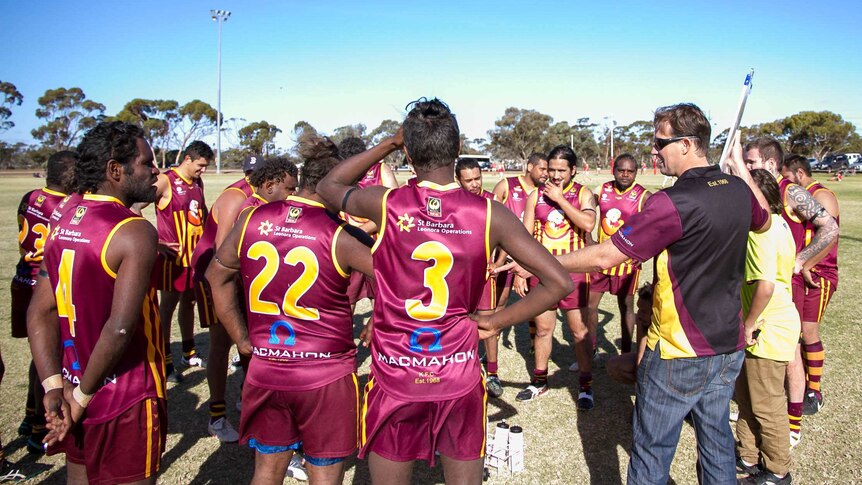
336 63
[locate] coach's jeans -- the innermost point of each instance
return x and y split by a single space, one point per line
667 391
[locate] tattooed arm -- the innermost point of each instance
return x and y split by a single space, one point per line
825 227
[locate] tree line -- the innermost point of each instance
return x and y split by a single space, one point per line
66 113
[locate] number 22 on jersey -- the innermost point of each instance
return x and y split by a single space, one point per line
298 255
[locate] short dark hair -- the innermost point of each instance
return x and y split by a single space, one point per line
113 140
686 119
273 169
58 167
564 152
198 149
625 157
536 157
466 164
769 187
794 162
431 135
768 148
320 155
350 146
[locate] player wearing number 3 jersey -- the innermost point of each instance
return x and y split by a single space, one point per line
425 393
294 259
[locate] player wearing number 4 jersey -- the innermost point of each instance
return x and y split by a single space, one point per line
102 366
425 393
34 219
294 259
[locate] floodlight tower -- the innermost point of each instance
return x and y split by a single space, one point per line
219 16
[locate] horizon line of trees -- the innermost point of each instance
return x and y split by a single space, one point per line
169 126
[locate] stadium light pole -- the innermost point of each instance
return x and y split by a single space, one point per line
219 16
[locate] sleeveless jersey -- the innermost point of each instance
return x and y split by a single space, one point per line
372 177
299 321
34 219
70 201
516 196
205 248
553 229
254 200
430 262
181 220
83 285
616 208
828 266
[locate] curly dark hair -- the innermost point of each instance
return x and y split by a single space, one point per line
113 140
320 155
431 135
60 170
350 146
273 169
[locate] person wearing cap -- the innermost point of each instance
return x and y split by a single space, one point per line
219 223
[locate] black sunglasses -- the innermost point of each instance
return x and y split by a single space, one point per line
660 143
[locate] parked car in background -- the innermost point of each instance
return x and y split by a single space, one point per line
853 157
840 162
825 163
856 166
813 163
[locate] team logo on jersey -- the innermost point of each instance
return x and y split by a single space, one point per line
265 228
289 341
633 195
293 214
55 232
612 221
405 223
435 345
180 189
194 216
604 196
39 200
434 206
79 214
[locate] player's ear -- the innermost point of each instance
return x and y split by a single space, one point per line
114 170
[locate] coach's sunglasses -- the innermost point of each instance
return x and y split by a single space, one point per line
660 143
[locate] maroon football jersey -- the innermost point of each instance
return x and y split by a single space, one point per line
181 219
615 208
797 226
516 195
205 248
299 320
34 219
828 266
83 285
430 263
553 229
254 200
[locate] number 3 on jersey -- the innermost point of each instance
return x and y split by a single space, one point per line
434 280
310 272
63 292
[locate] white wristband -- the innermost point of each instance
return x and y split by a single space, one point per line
82 399
52 382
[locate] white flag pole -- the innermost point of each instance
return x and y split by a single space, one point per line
743 97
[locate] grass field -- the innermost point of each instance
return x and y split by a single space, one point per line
562 445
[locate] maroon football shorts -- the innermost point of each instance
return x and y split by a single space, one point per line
125 449
169 276
615 285
578 298
812 305
22 292
491 293
204 299
325 419
404 431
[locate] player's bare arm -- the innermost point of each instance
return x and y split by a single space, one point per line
554 282
520 281
826 229
584 218
338 190
225 211
130 255
222 277
387 178
501 190
353 255
763 291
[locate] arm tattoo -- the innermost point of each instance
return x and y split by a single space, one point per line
826 230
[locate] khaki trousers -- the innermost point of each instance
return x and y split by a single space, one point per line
762 426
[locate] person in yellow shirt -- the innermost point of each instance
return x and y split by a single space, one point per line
772 329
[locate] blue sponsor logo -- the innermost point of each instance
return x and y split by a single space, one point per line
625 230
435 346
273 334
76 365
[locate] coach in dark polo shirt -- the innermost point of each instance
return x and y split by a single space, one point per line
697 232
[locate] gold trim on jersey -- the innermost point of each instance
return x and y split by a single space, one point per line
104 254
152 333
332 252
258 197
791 214
53 192
440 188
488 232
303 200
102 198
167 200
484 417
242 233
382 230
149 452
358 417
188 181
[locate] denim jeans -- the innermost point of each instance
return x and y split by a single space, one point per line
667 391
